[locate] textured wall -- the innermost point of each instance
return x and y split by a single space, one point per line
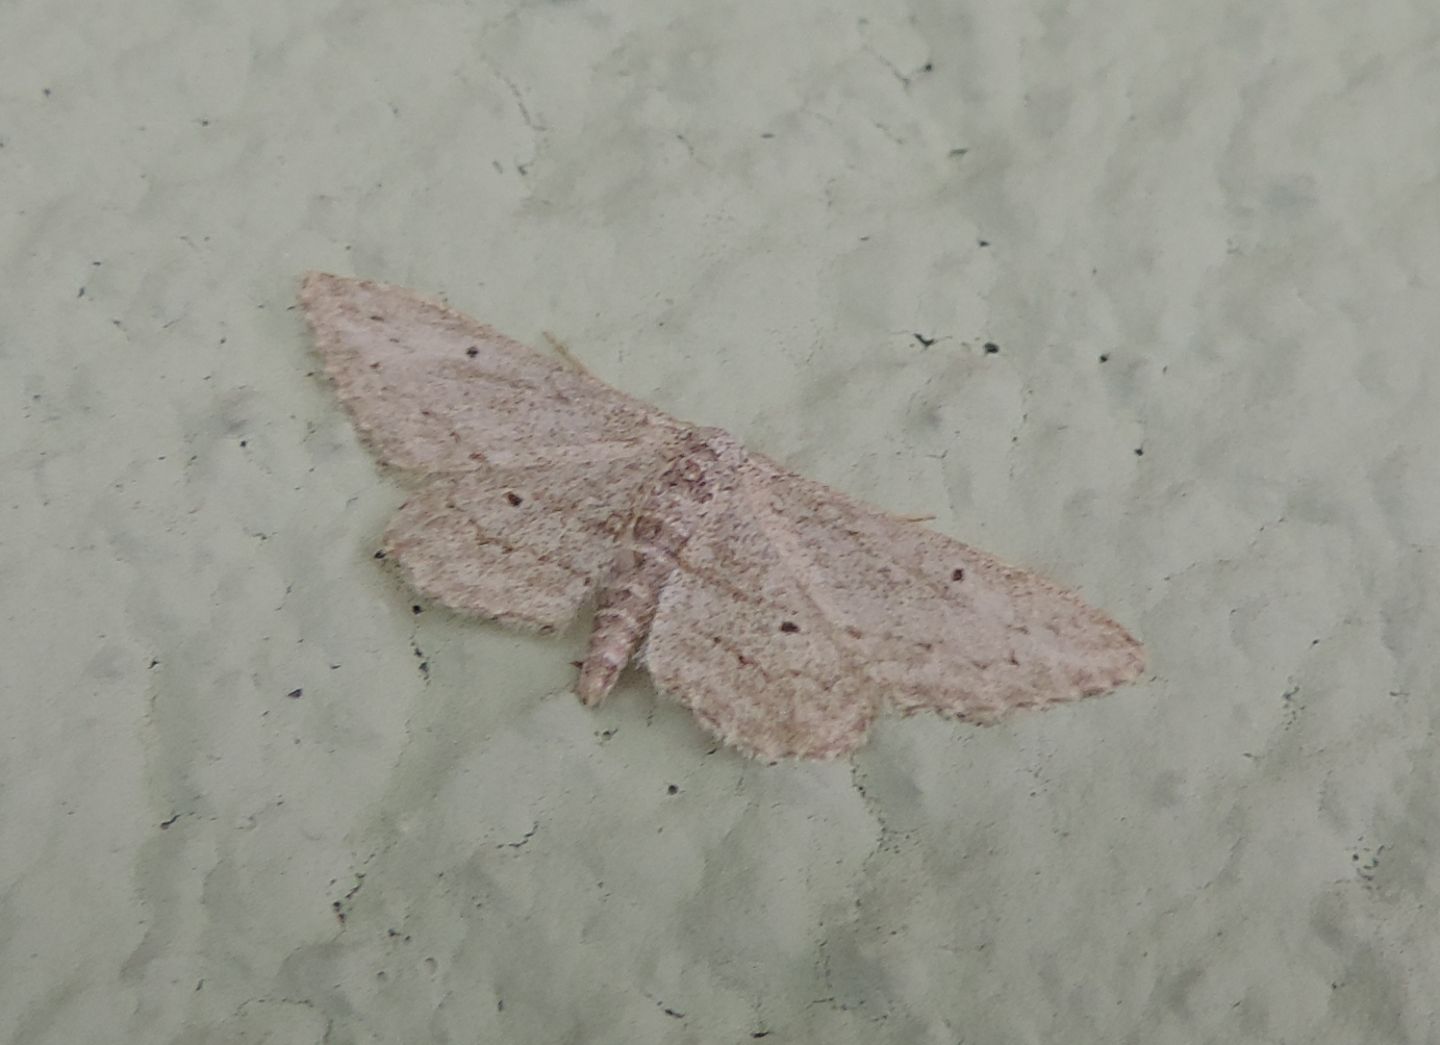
1201 239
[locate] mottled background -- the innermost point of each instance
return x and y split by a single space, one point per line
251 792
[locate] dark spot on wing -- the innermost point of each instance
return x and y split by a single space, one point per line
514 498
958 574
789 627
472 351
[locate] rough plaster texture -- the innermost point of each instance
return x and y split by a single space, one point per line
1201 239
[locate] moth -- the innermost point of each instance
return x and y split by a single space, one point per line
784 614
